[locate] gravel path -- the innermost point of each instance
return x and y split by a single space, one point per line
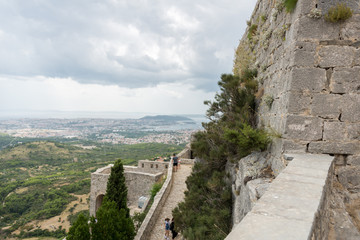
176 195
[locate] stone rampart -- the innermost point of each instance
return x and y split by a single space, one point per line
309 72
160 199
287 210
138 181
309 82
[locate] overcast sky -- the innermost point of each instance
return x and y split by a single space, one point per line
158 56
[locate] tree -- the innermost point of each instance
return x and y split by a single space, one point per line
111 223
116 189
80 229
230 135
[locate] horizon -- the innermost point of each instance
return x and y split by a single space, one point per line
57 114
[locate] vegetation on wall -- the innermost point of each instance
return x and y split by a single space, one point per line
338 13
230 134
290 5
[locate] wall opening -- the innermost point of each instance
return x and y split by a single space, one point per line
99 200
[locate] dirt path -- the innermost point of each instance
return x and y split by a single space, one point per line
176 195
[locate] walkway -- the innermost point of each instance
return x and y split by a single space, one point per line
176 195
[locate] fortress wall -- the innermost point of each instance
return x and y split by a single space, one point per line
309 77
159 201
147 166
138 182
309 82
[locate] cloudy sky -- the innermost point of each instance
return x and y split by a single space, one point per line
158 56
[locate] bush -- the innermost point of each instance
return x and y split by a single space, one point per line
290 5
80 230
252 31
338 13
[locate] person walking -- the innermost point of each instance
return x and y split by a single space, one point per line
167 229
172 229
175 162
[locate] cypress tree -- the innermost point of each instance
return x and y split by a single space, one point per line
80 229
116 189
112 224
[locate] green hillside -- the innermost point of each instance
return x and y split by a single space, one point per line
39 179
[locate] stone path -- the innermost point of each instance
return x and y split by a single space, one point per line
176 195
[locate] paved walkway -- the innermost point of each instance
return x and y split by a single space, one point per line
176 195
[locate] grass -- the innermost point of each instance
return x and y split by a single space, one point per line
252 31
290 5
338 13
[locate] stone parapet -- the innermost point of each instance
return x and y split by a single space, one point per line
159 200
288 208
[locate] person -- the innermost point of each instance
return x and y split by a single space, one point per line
172 229
175 162
167 228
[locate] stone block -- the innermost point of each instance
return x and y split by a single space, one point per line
303 128
349 177
299 102
345 80
334 147
308 79
315 29
353 160
336 56
351 30
326 105
357 57
294 147
304 55
334 131
353 131
351 110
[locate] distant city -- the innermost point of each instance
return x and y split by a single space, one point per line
169 129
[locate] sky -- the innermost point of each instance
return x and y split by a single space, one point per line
159 56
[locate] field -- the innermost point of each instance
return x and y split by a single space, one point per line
44 184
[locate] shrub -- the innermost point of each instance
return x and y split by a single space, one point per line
338 13
252 31
290 5
268 100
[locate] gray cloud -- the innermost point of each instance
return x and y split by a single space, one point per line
132 44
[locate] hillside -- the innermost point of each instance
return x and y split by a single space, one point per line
42 183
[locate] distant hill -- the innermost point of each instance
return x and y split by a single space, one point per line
167 118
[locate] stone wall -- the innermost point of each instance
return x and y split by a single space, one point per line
160 199
309 95
147 166
138 182
309 75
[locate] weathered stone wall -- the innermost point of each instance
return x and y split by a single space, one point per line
147 166
309 95
309 72
160 199
138 182
338 216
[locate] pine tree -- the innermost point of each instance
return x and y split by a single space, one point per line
80 229
116 189
112 224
